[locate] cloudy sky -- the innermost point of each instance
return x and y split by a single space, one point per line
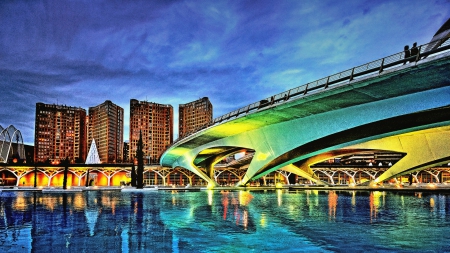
83 52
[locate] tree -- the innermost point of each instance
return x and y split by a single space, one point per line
133 175
87 178
35 176
140 168
66 168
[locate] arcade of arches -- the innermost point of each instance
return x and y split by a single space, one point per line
53 176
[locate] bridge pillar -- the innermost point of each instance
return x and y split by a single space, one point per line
304 172
209 168
260 158
190 166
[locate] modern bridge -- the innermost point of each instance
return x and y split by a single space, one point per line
392 104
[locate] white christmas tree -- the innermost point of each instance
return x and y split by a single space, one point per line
93 157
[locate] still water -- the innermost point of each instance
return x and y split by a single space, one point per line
234 221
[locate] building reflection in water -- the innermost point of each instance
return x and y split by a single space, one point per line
280 197
353 199
225 202
166 221
332 204
86 221
374 203
210 197
238 202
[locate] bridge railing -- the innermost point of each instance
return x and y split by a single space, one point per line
374 67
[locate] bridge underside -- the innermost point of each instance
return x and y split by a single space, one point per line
403 111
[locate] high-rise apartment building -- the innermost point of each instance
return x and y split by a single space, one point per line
60 133
194 115
105 126
155 122
126 151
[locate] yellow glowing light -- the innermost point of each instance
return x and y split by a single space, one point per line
431 202
245 198
210 197
279 185
432 185
376 198
279 197
262 156
263 220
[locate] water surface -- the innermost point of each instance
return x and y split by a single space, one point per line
234 221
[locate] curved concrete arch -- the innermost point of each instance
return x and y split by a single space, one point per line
119 170
412 144
424 148
12 172
301 172
179 170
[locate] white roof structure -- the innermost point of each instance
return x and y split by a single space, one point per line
11 143
92 157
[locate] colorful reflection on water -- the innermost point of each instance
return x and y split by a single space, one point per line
227 221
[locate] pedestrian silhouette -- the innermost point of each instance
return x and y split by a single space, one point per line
407 53
414 50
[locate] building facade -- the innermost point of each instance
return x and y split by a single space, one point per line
155 122
126 151
194 115
105 126
60 133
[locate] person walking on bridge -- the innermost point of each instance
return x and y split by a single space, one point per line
407 53
414 50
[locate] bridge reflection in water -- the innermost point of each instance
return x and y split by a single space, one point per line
227 221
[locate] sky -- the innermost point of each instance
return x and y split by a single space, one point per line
83 52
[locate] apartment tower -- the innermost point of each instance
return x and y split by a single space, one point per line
105 126
194 115
155 122
60 133
126 151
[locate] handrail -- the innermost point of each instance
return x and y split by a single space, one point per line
377 66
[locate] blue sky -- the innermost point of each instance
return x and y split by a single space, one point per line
82 52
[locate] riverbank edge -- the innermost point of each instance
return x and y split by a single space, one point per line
412 188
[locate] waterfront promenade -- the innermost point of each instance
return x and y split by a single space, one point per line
415 187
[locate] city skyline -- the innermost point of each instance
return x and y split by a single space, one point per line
236 53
